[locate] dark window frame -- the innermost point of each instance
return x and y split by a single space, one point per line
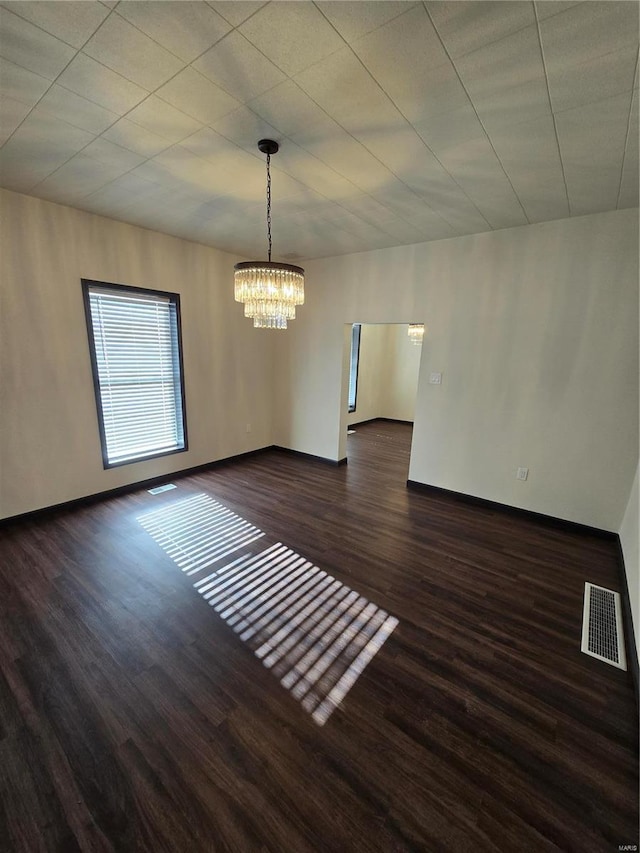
356 330
174 298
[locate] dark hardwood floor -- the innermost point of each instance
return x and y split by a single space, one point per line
133 716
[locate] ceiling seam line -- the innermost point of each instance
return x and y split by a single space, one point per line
333 169
160 45
626 139
131 109
53 83
473 107
422 142
124 115
553 116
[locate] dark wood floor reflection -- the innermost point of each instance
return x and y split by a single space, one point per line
133 718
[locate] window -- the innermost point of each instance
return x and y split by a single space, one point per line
353 366
136 356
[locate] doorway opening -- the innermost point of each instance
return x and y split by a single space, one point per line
381 364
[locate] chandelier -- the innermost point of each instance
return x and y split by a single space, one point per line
416 333
270 291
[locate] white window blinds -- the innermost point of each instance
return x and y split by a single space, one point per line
136 360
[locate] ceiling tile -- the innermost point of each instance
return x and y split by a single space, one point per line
542 198
403 152
600 77
288 108
595 133
473 157
31 48
152 171
476 169
352 224
530 144
345 155
219 174
466 26
510 105
185 28
311 172
134 185
136 138
75 110
293 35
400 199
514 60
89 78
162 119
60 135
127 51
21 84
348 93
442 131
244 128
12 113
73 21
114 198
192 93
108 201
503 211
235 11
409 205
38 147
208 144
588 30
202 179
628 196
78 177
408 61
354 19
239 68
547 8
404 232
113 155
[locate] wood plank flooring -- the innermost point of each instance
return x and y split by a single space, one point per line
134 717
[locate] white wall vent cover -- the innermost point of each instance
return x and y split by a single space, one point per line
159 489
602 626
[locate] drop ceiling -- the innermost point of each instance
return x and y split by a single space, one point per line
399 122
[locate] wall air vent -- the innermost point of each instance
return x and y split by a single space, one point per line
602 626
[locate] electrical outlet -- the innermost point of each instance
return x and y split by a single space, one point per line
522 474
435 378
248 427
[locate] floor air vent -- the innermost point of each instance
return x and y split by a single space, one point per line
159 489
602 625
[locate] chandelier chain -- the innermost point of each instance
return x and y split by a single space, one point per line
269 202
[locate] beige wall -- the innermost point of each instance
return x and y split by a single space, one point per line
535 331
387 375
372 368
401 377
49 442
629 536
